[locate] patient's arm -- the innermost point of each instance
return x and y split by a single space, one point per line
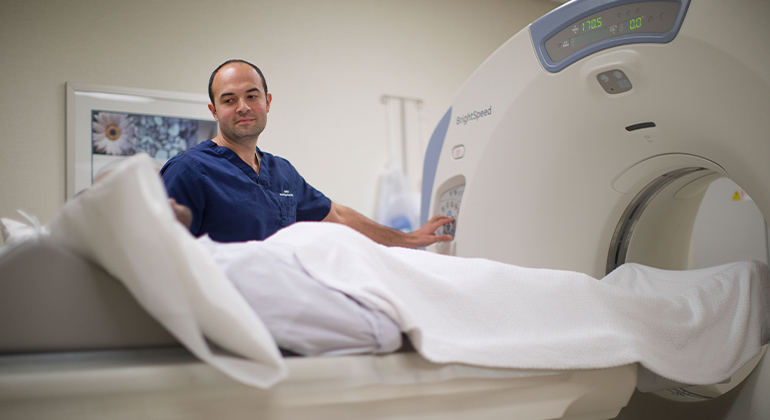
182 213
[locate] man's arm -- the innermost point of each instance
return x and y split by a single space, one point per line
386 236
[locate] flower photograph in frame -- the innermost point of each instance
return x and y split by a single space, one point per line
106 124
120 134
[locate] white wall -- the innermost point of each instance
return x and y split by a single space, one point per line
326 62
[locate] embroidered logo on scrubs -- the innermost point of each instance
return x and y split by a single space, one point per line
286 193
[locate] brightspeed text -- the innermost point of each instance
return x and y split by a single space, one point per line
475 115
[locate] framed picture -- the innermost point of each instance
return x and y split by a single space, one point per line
106 124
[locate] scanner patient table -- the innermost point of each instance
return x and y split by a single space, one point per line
79 346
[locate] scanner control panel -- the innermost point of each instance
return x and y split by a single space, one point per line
449 205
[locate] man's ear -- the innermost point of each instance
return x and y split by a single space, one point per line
268 99
214 111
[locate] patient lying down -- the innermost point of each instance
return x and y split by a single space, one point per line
320 302
325 289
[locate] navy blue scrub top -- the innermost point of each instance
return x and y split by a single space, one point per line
231 202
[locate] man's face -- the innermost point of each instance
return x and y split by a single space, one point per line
240 103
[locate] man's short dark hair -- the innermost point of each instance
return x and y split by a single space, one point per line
211 79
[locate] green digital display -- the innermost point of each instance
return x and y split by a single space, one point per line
591 24
596 23
592 31
625 20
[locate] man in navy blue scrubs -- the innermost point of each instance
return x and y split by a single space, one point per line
237 192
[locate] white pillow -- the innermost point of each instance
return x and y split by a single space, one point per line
15 232
125 224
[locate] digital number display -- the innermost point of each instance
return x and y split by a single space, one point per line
629 19
594 36
591 24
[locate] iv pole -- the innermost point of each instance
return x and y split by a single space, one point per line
385 99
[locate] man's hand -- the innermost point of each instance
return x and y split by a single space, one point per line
426 235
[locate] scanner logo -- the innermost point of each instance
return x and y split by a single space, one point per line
473 116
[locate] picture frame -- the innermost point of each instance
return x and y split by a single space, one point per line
106 124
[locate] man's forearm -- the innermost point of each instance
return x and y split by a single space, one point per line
373 230
385 235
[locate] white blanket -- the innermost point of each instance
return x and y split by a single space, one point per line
695 327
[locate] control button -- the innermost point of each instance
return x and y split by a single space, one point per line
449 228
458 152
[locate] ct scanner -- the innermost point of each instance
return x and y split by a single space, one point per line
587 140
